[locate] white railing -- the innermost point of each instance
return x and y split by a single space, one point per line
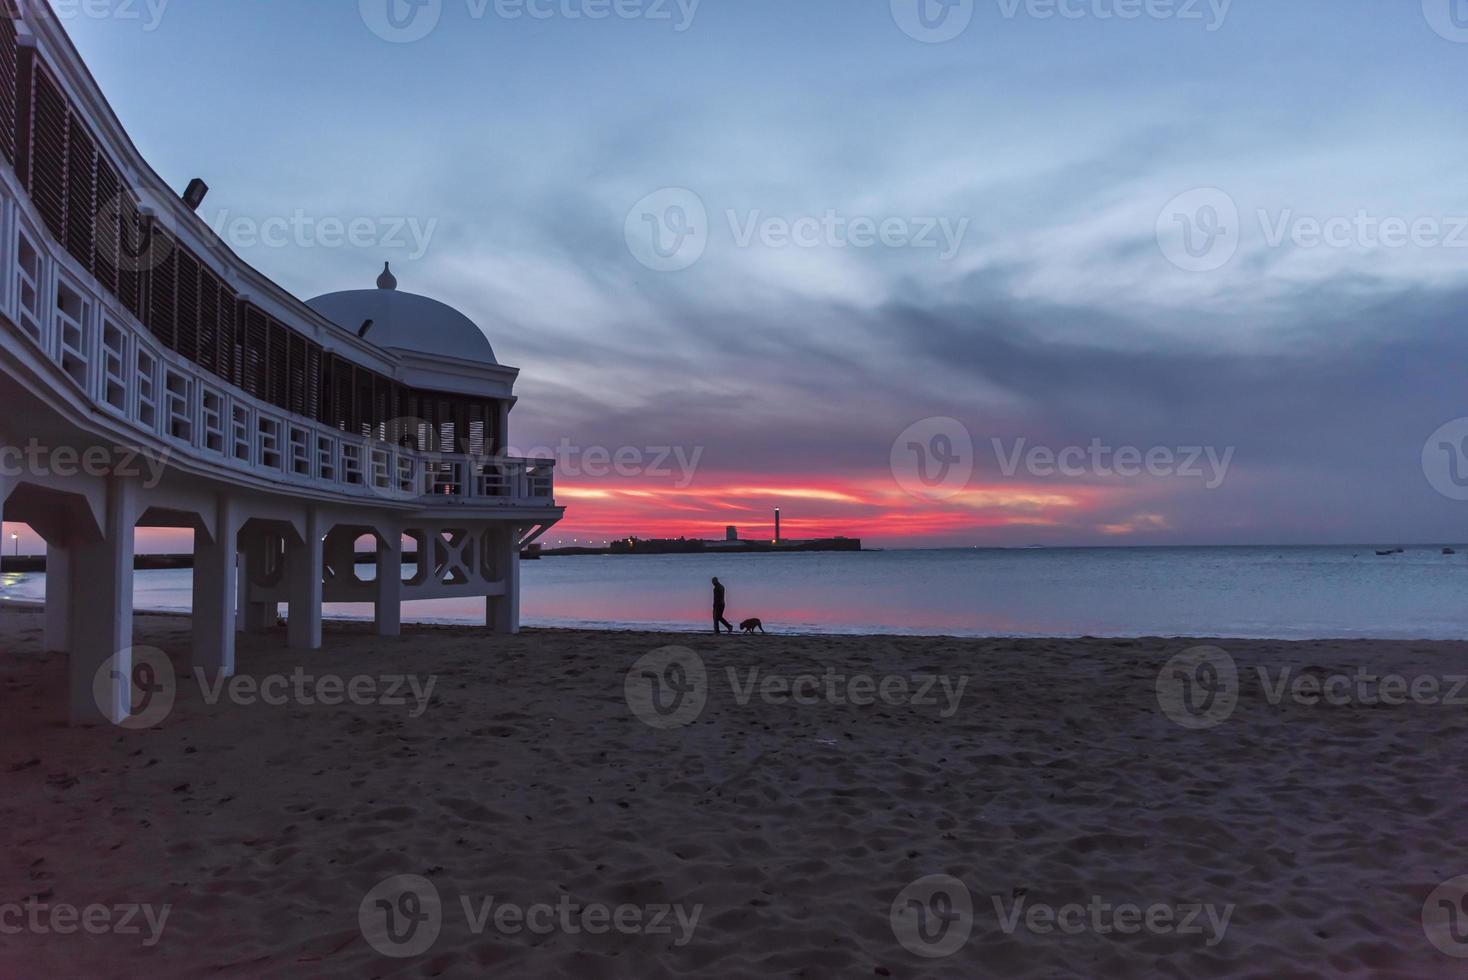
113 362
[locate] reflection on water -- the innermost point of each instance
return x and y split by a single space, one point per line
1255 592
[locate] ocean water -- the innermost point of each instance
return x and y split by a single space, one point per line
1285 593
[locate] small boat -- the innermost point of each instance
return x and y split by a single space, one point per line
1390 551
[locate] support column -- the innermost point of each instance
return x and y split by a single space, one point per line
255 617
504 610
58 598
389 607
303 568
216 566
102 612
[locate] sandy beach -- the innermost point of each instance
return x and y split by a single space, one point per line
777 830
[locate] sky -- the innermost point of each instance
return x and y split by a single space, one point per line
980 272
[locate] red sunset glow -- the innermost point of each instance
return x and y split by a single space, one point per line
873 508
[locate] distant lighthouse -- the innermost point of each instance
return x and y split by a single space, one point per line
777 525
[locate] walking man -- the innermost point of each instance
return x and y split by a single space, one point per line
719 609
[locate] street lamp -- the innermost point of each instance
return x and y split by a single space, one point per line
15 540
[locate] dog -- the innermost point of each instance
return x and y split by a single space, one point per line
750 625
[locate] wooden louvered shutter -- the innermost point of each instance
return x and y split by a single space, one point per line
226 335
363 408
295 394
257 342
9 85
209 332
277 363
132 252
346 412
48 152
162 281
186 316
313 382
106 236
81 190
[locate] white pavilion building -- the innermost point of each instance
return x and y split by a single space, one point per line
287 431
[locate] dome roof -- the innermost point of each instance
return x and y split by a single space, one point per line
406 321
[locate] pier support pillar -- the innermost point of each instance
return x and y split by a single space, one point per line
389 608
216 566
255 557
303 571
503 612
58 598
102 613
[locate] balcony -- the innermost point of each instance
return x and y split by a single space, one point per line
109 361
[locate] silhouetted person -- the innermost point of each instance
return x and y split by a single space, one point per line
719 609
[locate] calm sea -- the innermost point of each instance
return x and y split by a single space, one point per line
1288 593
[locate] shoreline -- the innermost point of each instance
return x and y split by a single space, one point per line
37 607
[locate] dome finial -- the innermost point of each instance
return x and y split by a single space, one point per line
387 280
